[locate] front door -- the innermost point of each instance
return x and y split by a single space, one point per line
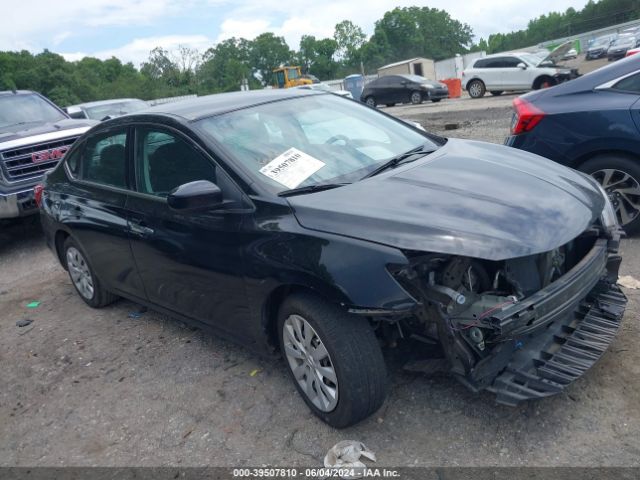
190 261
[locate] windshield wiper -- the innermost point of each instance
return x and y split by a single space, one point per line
395 161
310 189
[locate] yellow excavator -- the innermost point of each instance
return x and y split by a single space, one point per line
286 77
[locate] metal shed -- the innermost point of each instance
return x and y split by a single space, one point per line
414 66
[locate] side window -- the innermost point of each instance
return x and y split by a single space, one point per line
498 62
165 161
73 161
511 62
105 159
630 84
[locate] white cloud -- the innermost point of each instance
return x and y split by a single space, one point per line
319 18
42 20
36 24
248 29
137 51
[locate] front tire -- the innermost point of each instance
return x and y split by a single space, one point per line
476 88
83 277
544 82
333 358
620 177
416 98
496 93
370 101
435 100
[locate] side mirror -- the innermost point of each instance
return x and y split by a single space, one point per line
198 195
522 65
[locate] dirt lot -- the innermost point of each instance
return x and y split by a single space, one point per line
97 387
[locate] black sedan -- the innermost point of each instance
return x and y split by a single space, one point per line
306 223
592 124
392 89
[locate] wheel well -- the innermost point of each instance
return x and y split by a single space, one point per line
577 162
472 80
60 238
271 307
540 79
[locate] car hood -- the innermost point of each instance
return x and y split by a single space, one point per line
467 198
557 53
15 132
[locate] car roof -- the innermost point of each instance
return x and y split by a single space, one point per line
211 105
100 103
16 92
506 54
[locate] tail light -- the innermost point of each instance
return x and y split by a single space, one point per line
37 194
525 117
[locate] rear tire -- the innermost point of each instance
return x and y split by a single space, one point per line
416 98
619 175
370 101
476 88
339 352
83 277
496 93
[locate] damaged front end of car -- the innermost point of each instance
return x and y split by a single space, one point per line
524 327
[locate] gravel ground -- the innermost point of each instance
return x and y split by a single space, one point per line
96 387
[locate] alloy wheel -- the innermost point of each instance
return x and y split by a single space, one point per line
371 102
623 191
310 363
79 272
475 90
416 98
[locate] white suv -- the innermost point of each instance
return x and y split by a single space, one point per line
515 71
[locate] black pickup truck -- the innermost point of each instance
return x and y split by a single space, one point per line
34 136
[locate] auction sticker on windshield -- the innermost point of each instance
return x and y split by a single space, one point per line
291 168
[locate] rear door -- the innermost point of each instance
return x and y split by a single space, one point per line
93 208
190 262
488 70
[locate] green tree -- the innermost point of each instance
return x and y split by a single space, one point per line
316 56
224 66
349 38
266 52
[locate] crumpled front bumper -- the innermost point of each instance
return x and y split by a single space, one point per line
553 337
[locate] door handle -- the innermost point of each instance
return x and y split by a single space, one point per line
140 228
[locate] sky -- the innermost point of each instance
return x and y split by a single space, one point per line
130 29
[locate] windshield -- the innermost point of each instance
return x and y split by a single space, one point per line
623 41
114 109
20 108
311 140
600 42
415 78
